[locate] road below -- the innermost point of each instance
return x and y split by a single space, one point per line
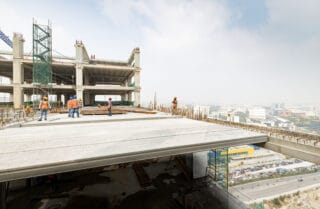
271 188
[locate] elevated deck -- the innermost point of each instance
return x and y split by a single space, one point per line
63 144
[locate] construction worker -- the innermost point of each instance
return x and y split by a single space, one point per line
28 110
75 106
70 109
174 106
109 107
44 106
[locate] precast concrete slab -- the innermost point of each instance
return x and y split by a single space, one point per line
42 150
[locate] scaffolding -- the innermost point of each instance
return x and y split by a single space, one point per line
42 59
219 162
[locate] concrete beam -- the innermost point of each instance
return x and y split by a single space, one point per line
108 67
108 87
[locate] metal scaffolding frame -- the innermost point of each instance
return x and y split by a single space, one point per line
219 161
42 58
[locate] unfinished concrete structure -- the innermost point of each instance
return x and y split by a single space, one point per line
99 141
80 75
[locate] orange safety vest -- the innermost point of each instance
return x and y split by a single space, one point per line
75 103
44 105
109 105
174 104
69 104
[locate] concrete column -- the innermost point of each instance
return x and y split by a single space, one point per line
137 77
123 97
10 97
130 96
126 82
79 81
200 164
136 57
81 52
18 72
137 98
137 88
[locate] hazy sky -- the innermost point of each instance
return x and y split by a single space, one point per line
202 51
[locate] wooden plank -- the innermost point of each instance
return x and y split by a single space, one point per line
142 176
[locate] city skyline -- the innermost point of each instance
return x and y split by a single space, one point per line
203 52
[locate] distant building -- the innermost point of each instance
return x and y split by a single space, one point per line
257 113
201 111
236 119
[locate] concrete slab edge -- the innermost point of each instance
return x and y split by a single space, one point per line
68 166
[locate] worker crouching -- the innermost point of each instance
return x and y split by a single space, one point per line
44 106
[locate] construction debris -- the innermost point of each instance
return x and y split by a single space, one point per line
100 111
134 109
183 168
142 176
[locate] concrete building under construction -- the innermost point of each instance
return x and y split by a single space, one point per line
81 75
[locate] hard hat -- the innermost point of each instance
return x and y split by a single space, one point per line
174 97
71 97
45 98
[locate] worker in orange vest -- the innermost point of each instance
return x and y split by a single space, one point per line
174 106
109 107
75 106
44 106
69 104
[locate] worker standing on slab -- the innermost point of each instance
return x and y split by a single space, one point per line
174 106
109 107
75 106
70 109
44 106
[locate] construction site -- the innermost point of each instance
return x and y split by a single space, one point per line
138 158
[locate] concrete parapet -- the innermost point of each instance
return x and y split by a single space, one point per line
301 151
